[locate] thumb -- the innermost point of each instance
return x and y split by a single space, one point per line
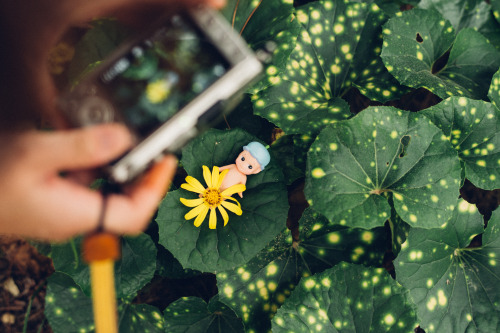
84 148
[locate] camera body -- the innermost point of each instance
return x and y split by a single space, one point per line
166 86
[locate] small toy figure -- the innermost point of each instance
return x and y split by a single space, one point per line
252 160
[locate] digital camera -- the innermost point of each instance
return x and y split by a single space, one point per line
166 86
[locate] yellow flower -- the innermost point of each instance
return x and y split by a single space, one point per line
211 198
158 91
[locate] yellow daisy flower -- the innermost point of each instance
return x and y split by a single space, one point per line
211 197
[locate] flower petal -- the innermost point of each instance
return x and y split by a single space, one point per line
195 212
224 214
215 176
193 182
199 220
233 189
212 222
221 177
207 176
232 207
192 202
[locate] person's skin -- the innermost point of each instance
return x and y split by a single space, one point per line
35 201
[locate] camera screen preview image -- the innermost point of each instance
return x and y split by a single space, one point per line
161 74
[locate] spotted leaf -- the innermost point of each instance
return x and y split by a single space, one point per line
347 298
496 9
264 205
264 22
494 92
68 309
354 166
454 286
256 290
473 128
324 65
192 314
290 152
462 14
133 271
415 49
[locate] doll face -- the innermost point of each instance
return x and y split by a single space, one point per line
247 164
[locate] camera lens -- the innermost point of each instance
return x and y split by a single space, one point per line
95 110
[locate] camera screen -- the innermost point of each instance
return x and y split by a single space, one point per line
161 74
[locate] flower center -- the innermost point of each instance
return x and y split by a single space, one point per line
212 197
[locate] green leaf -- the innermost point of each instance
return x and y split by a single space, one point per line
473 128
393 7
496 9
192 314
256 290
354 163
290 151
264 205
132 272
95 45
454 287
416 41
69 310
261 22
462 14
347 298
494 92
324 65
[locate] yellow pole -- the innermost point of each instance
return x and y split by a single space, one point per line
100 250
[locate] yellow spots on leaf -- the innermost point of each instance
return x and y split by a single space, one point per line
465 207
272 270
272 286
394 134
431 304
420 56
387 291
413 218
386 93
309 284
338 28
334 238
398 197
442 299
345 48
228 290
374 133
430 283
334 146
434 198
389 319
335 69
302 17
318 173
367 236
317 29
326 282
481 163
415 255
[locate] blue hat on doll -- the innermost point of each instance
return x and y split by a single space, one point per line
259 152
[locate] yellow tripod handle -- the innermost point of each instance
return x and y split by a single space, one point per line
100 251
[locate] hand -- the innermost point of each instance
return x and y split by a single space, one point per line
36 202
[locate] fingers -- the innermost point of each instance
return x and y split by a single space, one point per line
130 214
83 148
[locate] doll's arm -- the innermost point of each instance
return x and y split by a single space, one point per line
244 182
225 167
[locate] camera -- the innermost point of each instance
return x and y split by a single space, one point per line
167 86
